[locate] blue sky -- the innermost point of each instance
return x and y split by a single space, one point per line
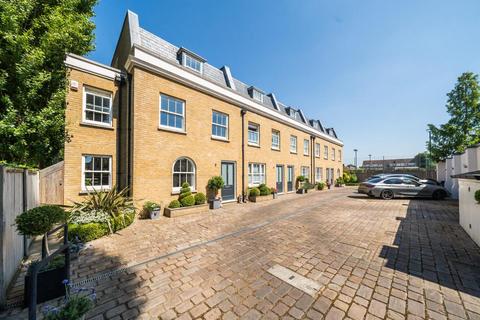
377 71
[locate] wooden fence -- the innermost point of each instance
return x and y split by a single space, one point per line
51 184
18 192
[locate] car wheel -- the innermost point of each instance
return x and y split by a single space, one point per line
387 194
439 195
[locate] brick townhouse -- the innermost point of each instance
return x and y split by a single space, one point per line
161 115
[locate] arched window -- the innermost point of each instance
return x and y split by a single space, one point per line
183 171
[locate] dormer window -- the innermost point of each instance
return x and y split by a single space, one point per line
256 94
193 63
191 60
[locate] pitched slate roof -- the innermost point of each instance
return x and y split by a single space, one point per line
170 52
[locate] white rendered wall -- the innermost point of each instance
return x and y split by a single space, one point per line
441 171
448 174
469 208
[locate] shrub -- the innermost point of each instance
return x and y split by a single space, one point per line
150 206
112 202
187 201
254 192
87 232
39 220
301 178
320 186
477 196
90 231
307 185
174 204
264 190
184 191
340 181
215 183
200 198
353 178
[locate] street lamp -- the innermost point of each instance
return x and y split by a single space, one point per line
355 150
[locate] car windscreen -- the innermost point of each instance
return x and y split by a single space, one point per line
393 181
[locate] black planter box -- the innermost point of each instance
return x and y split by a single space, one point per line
49 285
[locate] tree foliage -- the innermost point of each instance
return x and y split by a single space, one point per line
463 128
35 35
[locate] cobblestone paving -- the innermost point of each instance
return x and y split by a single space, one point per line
374 259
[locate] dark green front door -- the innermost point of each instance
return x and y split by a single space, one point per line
228 175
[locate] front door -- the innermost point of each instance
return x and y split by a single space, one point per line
290 178
279 175
228 175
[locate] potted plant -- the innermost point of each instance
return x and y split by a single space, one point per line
253 193
477 196
38 222
214 185
299 182
274 191
340 182
77 302
153 209
320 186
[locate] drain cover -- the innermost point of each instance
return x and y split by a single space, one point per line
306 285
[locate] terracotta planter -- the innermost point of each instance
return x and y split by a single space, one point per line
178 212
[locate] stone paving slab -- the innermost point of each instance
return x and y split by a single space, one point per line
373 259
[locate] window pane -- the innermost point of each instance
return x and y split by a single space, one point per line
106 103
88 163
98 117
163 119
98 101
176 180
88 178
106 118
179 107
183 165
97 163
164 103
171 120
105 179
89 98
105 164
171 105
88 115
97 179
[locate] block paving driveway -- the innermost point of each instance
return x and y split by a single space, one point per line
374 259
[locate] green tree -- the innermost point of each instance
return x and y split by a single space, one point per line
35 35
463 128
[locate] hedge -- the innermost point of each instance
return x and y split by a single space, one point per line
94 230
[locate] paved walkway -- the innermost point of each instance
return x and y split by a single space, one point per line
373 259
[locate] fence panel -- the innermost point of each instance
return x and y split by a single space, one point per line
12 193
51 184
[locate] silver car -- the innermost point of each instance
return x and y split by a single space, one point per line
404 175
390 187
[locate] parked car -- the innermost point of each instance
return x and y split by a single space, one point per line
405 175
398 186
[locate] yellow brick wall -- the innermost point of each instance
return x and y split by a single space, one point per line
156 150
86 139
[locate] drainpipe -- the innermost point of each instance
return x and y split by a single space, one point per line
242 113
312 161
120 81
129 134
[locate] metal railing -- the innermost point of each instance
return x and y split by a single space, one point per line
46 259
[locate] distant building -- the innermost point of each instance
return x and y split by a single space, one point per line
390 164
349 167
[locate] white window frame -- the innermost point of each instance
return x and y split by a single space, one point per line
194 172
275 144
220 125
100 93
333 154
304 169
317 150
186 56
257 95
167 127
85 187
325 152
306 147
261 172
318 174
293 146
253 143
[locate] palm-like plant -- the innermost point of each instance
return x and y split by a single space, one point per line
112 202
